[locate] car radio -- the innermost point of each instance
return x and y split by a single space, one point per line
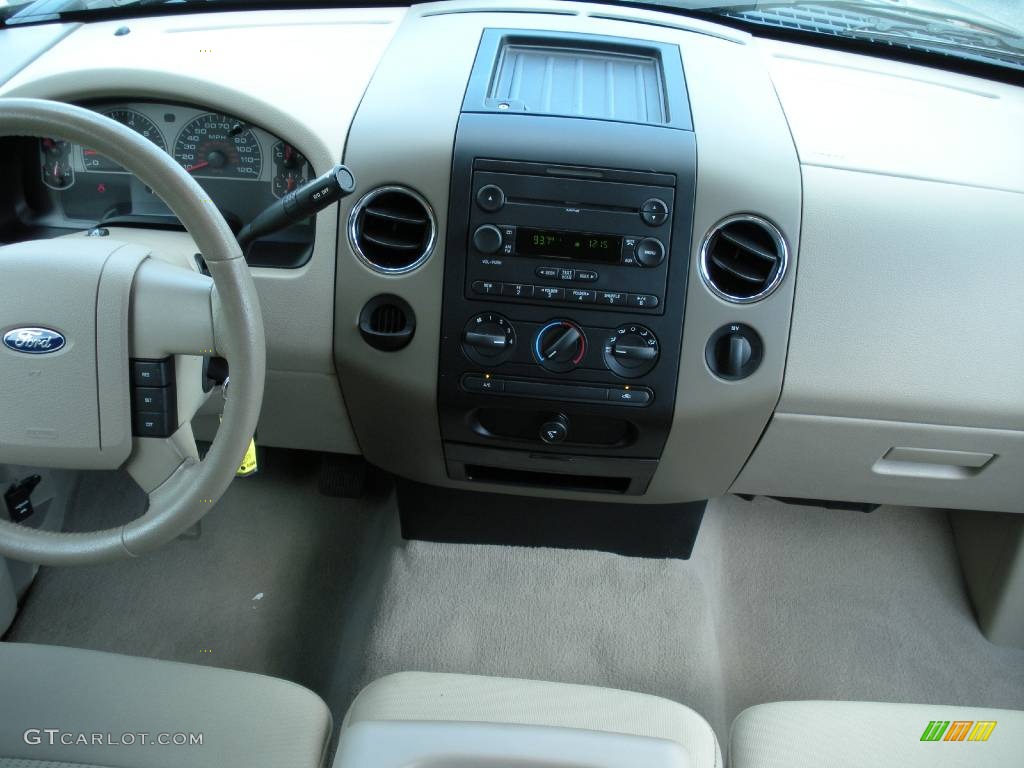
599 239
563 305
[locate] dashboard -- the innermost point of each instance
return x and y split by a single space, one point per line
242 167
721 264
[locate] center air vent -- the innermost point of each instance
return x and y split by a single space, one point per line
392 229
743 259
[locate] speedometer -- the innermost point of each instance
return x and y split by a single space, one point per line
217 146
94 161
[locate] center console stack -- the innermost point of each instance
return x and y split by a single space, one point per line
569 234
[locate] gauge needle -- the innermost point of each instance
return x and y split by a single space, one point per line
197 166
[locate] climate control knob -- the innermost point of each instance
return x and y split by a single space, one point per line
487 239
488 339
560 346
631 351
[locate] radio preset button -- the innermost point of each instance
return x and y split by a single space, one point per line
586 275
486 287
654 212
643 300
490 198
612 298
517 290
549 293
548 273
650 252
581 295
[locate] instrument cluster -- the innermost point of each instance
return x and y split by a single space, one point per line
241 166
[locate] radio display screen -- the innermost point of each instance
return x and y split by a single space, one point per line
560 244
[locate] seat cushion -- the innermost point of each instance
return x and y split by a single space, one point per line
99 701
856 734
429 696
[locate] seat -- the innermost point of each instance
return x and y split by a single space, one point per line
435 698
856 734
97 702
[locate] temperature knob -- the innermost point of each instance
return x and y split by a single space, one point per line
488 339
560 346
631 351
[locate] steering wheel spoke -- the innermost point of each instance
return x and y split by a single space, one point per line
172 312
79 310
155 459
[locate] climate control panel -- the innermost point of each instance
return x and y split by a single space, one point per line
563 309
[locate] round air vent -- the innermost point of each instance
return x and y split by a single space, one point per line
743 258
387 323
392 229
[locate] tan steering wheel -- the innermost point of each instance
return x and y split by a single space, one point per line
65 399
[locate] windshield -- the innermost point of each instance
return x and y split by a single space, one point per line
987 31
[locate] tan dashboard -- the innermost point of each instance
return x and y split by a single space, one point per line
891 369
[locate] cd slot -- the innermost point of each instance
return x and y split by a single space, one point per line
563 204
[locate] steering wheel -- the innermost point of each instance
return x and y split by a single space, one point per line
76 311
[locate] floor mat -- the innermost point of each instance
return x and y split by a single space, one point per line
259 589
777 602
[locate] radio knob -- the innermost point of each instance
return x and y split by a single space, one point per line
650 252
560 346
487 239
631 351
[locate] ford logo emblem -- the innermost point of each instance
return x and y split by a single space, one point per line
34 341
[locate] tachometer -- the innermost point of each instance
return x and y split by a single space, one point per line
94 161
217 146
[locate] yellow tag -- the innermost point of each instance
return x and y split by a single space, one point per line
248 465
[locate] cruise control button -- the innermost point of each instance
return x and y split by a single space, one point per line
517 290
581 295
643 300
548 273
153 399
151 373
586 275
612 298
487 287
152 425
549 293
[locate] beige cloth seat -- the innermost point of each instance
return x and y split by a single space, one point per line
855 734
245 720
440 697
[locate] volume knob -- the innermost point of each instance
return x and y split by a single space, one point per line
487 239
